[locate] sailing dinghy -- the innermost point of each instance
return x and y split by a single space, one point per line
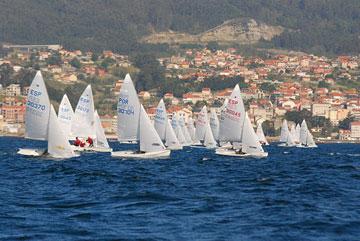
36 115
65 115
150 145
163 127
306 138
261 135
236 128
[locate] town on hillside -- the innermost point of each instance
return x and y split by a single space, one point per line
294 86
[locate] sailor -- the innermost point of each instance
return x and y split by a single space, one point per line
82 143
77 141
90 141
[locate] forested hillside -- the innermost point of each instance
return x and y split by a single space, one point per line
326 26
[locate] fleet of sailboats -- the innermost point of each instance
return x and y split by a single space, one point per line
232 135
299 136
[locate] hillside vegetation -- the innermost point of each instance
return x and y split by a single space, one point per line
321 26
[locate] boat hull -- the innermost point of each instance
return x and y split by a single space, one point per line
174 148
31 152
232 153
147 155
90 149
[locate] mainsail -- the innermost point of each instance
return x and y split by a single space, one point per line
83 120
128 110
37 110
65 115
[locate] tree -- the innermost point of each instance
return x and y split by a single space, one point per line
152 74
107 62
345 124
323 84
298 116
268 87
94 57
268 128
75 62
54 59
213 46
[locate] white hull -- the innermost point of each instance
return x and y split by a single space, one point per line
31 152
232 152
174 148
147 155
286 145
90 149
302 146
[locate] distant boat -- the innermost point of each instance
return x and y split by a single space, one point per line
164 129
182 124
134 125
306 138
284 131
236 128
293 134
203 130
261 135
178 130
192 131
150 145
214 124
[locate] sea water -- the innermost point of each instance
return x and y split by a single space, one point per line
294 194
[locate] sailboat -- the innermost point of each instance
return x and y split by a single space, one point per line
192 132
36 115
293 134
65 115
128 112
42 123
284 131
163 127
182 124
100 144
236 128
203 130
261 135
82 125
306 138
214 124
134 125
297 133
58 144
178 130
150 145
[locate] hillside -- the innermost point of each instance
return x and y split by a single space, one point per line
321 26
246 31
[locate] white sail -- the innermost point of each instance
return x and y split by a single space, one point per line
310 140
83 120
160 120
201 123
100 140
250 143
223 107
290 139
293 133
191 129
261 135
65 115
303 132
170 136
149 139
58 144
297 134
209 140
128 110
37 110
284 131
185 130
214 124
232 118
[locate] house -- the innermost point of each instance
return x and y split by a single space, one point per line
355 130
13 90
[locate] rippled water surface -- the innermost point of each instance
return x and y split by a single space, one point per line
295 194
